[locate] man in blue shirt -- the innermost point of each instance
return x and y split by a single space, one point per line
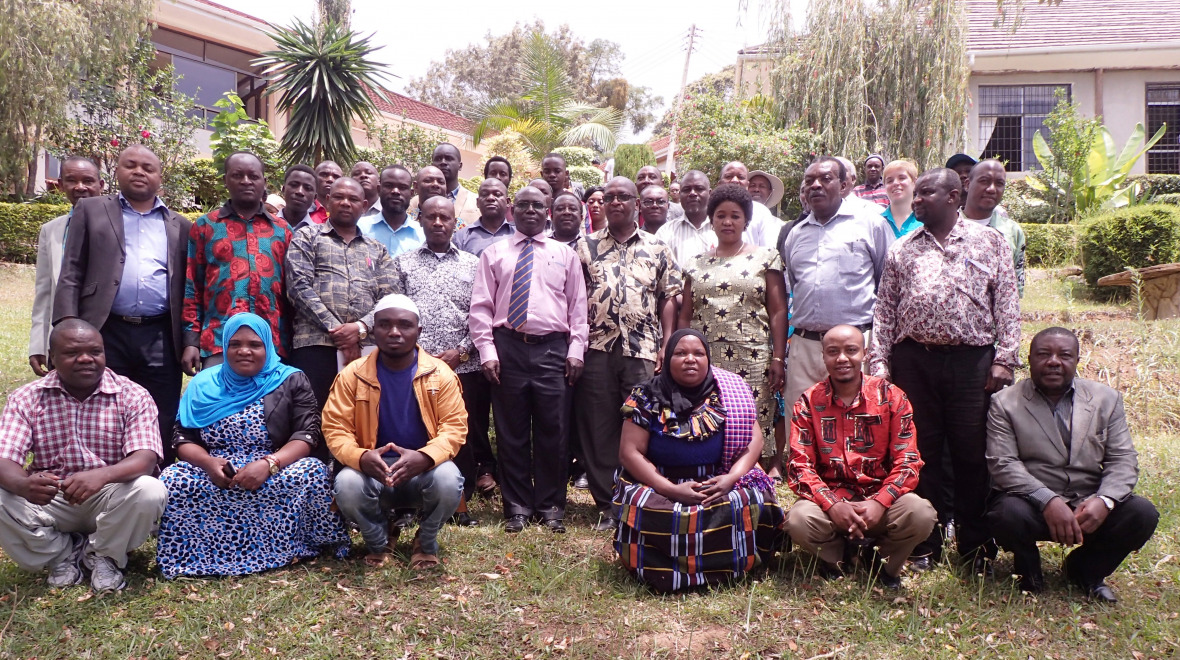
393 227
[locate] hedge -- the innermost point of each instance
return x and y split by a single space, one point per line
1052 245
1135 237
20 225
1156 184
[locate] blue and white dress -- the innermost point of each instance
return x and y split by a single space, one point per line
206 530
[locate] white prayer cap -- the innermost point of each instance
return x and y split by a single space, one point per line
397 301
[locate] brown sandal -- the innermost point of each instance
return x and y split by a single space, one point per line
420 561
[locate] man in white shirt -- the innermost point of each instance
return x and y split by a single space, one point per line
763 228
692 234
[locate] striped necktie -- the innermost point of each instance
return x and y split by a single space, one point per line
522 279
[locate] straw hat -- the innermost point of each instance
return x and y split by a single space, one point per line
776 187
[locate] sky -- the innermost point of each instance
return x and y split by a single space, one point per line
653 35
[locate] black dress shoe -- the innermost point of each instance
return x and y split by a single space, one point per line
582 483
1102 594
464 519
606 524
404 519
515 524
921 564
828 571
555 525
1033 583
890 582
982 565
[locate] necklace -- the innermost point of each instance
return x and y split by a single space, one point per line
741 247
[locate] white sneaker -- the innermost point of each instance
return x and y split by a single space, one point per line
104 574
67 572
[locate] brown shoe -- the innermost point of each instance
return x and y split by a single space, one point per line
486 485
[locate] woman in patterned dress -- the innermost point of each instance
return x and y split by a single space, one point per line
245 496
736 295
694 507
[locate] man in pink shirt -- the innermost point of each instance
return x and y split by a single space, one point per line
528 322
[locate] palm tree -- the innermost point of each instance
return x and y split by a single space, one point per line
323 75
548 115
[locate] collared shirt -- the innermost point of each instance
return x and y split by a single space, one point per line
557 295
440 285
963 293
318 212
305 220
1062 414
685 240
143 288
67 436
875 194
331 282
407 237
867 450
911 223
1012 231
832 269
763 228
625 283
475 238
234 265
373 210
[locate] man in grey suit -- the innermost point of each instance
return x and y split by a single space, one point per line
1061 457
123 272
79 179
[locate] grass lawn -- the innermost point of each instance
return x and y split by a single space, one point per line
537 595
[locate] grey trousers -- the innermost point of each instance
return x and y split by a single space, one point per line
117 519
903 526
598 396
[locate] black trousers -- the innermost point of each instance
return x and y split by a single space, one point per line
477 399
531 406
605 383
145 354
1018 524
321 365
950 413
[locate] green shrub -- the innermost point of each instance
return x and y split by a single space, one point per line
630 158
208 183
1156 184
587 175
1052 245
1166 198
1136 237
19 226
1023 206
576 156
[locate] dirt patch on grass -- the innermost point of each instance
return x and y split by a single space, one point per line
682 642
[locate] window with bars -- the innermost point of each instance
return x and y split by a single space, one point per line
1163 106
1009 116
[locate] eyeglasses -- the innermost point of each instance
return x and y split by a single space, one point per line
653 203
617 197
536 206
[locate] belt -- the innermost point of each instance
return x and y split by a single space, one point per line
945 348
532 339
819 336
142 320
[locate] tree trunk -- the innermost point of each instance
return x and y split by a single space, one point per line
31 181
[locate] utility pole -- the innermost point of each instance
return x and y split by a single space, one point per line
671 166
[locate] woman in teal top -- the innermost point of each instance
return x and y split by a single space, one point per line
900 176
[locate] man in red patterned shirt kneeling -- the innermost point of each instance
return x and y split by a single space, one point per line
854 464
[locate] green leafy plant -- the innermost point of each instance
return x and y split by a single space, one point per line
322 77
587 175
1101 184
548 115
1052 245
630 158
408 145
20 224
1134 237
1070 142
207 184
576 156
234 130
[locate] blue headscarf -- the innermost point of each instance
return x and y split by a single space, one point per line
218 392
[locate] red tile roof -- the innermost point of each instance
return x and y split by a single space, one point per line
232 11
1079 23
660 143
404 106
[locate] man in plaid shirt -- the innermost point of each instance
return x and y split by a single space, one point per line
77 451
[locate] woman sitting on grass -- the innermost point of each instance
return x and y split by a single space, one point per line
694 507
245 496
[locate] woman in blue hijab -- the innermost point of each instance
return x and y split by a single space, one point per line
246 495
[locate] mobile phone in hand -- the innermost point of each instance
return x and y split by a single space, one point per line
229 470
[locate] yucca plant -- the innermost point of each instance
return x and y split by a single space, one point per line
321 76
548 115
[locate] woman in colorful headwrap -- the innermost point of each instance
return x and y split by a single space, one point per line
245 496
694 507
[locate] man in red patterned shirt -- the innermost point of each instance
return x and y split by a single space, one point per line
77 451
854 463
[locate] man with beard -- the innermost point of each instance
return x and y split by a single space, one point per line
393 227
335 276
873 189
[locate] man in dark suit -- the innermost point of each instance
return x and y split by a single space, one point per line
123 272
1060 454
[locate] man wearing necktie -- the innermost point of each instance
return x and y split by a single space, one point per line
528 321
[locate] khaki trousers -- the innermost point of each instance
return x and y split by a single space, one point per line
117 519
805 367
905 524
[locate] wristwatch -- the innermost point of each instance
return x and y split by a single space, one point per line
464 356
273 462
362 330
1107 501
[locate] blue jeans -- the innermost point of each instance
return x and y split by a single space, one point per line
366 501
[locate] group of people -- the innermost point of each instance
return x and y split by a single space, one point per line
681 352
